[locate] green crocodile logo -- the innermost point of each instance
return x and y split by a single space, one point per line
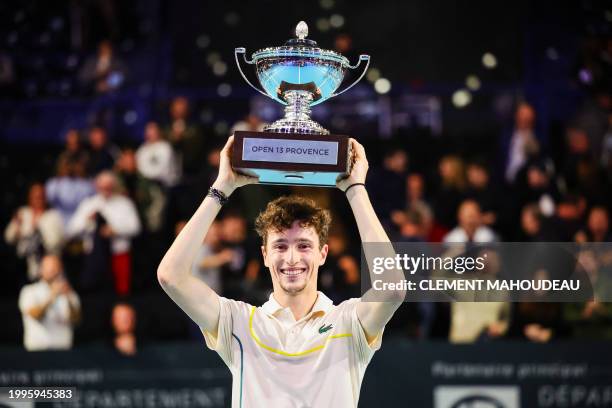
325 328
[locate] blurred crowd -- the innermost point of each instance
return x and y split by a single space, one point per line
88 237
101 223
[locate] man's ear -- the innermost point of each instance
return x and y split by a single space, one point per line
263 254
324 251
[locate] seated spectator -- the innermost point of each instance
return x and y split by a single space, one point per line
534 227
480 189
147 194
74 152
50 309
251 122
123 321
244 260
451 190
68 188
339 276
535 184
597 227
470 227
474 321
102 154
212 257
103 72
107 222
185 137
36 230
523 142
568 216
155 157
390 177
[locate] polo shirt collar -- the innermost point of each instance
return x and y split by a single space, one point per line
323 304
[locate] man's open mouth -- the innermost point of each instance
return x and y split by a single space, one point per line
292 271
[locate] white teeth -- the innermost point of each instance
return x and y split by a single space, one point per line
292 272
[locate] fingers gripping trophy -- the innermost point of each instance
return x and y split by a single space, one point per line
295 149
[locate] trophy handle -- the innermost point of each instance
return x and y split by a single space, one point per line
242 50
362 57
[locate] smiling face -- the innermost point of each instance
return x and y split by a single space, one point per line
293 256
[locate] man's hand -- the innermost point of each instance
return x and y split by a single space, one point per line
228 180
106 231
359 169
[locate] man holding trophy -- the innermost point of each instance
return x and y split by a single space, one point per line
297 349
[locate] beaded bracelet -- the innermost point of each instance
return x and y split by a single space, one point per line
218 195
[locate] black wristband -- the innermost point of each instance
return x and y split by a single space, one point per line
353 185
218 195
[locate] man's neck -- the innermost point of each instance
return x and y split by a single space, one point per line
300 304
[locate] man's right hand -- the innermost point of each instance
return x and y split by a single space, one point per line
228 179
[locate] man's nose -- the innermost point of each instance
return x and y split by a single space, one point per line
292 256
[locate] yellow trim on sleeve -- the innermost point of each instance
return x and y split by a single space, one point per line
284 353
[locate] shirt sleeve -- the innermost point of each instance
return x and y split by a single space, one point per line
26 300
363 349
230 311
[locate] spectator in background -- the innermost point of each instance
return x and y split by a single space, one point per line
74 152
104 72
102 154
597 227
480 189
50 309
523 143
581 170
535 184
68 188
340 275
107 221
123 321
212 257
470 226
36 230
155 157
244 260
533 225
147 194
251 122
569 216
391 177
7 74
185 137
451 190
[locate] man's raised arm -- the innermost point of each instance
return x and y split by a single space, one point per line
373 316
192 295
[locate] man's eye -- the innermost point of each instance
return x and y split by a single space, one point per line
304 246
280 247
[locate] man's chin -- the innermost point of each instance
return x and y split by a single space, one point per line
293 289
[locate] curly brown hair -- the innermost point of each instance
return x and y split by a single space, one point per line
281 213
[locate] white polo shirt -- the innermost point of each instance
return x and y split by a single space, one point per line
54 329
276 361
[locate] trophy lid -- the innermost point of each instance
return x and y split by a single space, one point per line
301 32
301 47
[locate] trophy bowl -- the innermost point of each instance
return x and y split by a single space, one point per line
288 67
296 150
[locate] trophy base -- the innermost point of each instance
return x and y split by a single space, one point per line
291 158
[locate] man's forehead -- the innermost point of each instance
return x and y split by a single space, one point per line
295 232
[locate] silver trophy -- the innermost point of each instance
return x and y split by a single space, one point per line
296 149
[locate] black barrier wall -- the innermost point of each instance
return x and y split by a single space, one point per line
402 374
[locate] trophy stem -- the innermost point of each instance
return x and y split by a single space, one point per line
298 105
297 115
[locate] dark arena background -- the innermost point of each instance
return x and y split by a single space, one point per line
505 105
